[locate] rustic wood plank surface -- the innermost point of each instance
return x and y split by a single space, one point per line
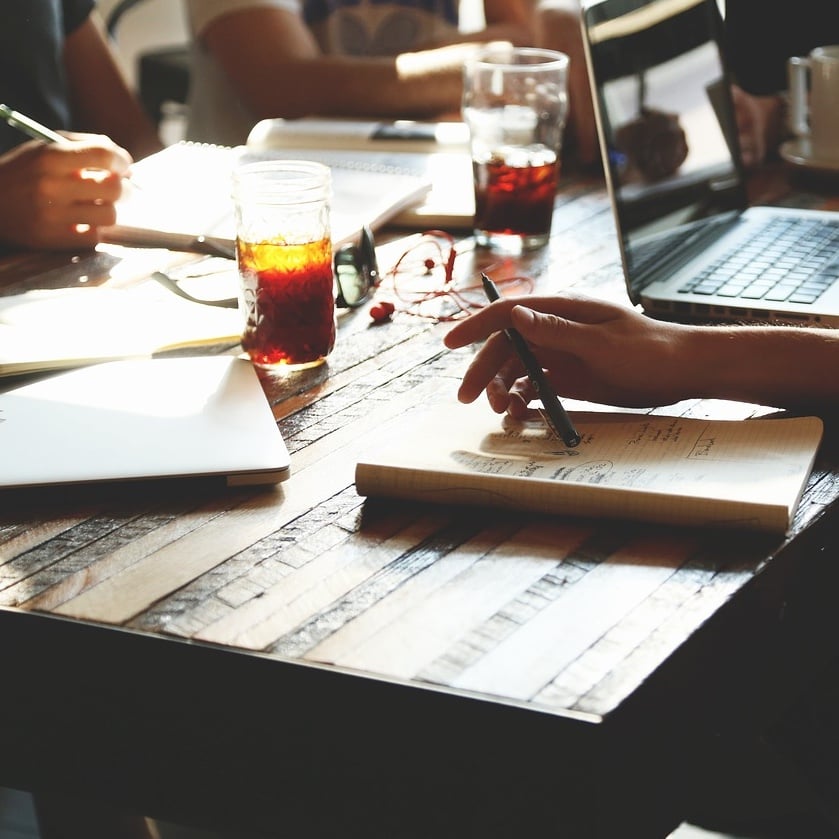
580 622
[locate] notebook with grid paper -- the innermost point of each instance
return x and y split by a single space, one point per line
692 248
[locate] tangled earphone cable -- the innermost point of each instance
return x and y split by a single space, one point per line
422 279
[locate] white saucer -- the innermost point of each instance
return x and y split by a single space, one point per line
798 152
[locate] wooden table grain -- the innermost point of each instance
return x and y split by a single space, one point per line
304 662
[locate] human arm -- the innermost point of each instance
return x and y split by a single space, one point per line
602 352
47 190
277 69
101 100
558 28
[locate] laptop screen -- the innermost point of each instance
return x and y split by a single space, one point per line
667 124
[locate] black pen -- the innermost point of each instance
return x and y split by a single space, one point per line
557 417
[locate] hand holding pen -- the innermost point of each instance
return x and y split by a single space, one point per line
554 413
593 350
57 193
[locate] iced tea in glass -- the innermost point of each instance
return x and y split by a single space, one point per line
514 193
514 102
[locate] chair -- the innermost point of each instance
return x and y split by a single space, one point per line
162 73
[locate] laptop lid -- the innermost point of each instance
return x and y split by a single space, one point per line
142 419
666 126
691 246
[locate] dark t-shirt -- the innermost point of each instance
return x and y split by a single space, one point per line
762 34
31 66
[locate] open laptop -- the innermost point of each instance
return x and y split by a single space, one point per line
142 419
692 248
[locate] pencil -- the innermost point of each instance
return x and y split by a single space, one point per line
556 415
29 126
32 128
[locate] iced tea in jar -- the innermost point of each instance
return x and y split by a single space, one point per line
284 254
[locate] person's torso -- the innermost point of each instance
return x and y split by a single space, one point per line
379 27
32 78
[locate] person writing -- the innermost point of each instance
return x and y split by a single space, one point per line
613 354
258 59
604 352
56 66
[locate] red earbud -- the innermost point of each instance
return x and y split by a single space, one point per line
382 311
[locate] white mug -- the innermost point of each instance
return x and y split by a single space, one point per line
814 107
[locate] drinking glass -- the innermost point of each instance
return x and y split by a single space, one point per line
515 102
284 255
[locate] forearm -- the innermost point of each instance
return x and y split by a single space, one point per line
101 98
277 69
420 85
780 366
508 20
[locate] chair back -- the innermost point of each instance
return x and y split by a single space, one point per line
113 18
162 71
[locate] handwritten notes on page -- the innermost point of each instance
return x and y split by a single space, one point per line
675 470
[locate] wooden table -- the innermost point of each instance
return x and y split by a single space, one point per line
300 660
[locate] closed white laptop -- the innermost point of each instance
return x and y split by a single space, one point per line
142 419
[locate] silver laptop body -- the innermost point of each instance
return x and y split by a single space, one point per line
692 248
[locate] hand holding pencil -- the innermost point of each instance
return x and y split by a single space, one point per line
57 189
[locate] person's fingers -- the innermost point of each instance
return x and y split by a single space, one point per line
76 172
540 328
482 324
63 213
95 215
96 186
485 371
90 153
519 397
75 191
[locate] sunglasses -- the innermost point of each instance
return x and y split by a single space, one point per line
356 271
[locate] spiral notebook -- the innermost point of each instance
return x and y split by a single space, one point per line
182 199
434 152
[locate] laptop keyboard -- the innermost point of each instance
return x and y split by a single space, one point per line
793 260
